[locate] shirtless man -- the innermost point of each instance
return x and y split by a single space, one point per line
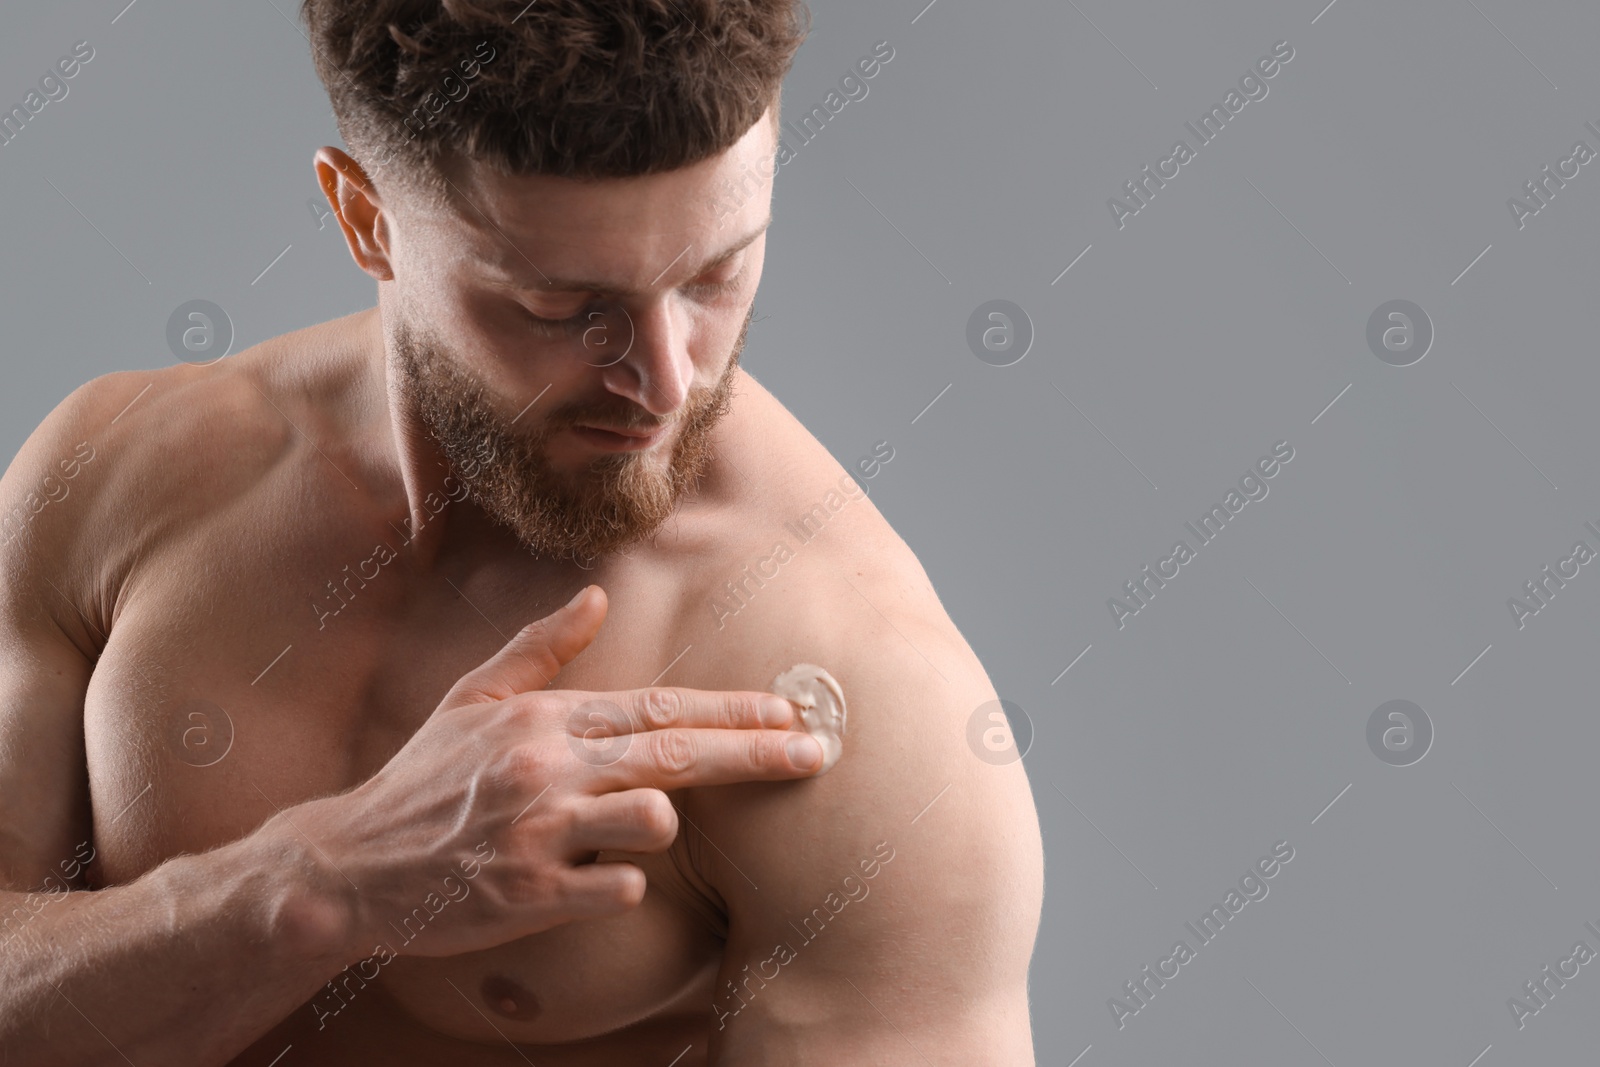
304 762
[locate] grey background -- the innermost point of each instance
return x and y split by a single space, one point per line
1221 319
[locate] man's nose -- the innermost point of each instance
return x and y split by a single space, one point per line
657 371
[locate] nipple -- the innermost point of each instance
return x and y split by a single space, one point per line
509 999
822 710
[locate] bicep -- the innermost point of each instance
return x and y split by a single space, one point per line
44 669
44 811
885 911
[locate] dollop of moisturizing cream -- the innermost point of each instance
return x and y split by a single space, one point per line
822 710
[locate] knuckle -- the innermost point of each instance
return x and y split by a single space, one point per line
561 822
672 751
532 885
535 706
767 750
740 711
663 707
518 765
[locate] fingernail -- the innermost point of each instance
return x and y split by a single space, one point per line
577 598
776 713
804 752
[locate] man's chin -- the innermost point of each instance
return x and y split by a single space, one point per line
573 452
601 507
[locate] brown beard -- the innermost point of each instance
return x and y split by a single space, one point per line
620 498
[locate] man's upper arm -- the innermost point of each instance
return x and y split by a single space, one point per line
46 646
884 912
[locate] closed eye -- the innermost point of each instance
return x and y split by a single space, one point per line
554 327
550 329
719 288
542 321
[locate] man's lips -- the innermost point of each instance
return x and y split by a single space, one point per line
619 440
624 433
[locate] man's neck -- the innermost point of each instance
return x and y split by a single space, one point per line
423 469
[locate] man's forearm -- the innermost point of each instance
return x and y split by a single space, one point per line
188 964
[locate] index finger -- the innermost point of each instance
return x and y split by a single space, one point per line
674 707
680 758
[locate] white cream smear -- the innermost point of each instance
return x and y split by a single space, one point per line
822 710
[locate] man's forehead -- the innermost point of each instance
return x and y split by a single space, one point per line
609 243
549 232
559 273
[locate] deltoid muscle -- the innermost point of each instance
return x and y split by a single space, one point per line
822 711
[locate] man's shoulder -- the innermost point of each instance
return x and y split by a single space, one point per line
938 833
132 456
802 562
161 435
810 571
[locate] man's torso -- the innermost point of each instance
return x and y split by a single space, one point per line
267 639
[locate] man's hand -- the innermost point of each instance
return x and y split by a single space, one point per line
522 786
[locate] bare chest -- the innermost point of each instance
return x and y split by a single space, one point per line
247 678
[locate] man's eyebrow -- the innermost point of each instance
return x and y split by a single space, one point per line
575 285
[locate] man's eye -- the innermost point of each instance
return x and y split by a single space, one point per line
552 327
718 288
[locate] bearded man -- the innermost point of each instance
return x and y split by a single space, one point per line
310 753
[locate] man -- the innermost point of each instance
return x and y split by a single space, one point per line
303 763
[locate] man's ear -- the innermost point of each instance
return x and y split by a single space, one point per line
355 204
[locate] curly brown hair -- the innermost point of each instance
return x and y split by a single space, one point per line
582 89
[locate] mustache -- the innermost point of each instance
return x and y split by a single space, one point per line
626 415
611 418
